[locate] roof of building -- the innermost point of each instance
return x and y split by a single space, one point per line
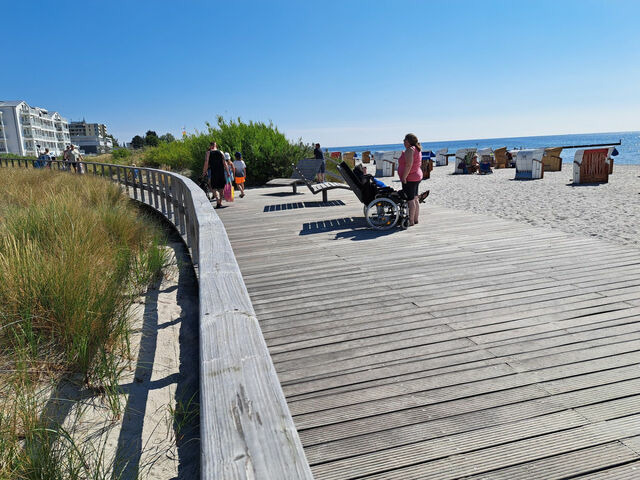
11 103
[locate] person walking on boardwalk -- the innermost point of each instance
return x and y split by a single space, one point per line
75 158
410 174
241 172
216 168
318 155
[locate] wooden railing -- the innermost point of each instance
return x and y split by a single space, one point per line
246 429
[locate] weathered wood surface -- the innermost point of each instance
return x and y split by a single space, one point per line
245 426
464 347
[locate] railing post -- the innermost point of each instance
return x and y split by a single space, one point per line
134 183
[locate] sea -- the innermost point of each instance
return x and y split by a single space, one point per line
628 150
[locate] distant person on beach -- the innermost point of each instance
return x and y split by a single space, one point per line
240 172
215 167
410 174
317 154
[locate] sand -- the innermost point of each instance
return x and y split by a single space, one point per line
148 440
610 211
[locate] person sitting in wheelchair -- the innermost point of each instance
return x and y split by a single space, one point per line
383 189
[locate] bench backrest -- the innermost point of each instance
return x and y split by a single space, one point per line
307 169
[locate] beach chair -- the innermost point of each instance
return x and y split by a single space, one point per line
529 164
427 164
306 168
349 159
500 157
464 160
366 156
551 159
441 158
485 161
386 163
593 165
322 187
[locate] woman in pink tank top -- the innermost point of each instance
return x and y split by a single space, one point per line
410 174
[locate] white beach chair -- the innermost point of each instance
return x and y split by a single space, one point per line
462 159
593 165
441 158
529 164
386 163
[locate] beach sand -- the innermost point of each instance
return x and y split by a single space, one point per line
149 440
610 211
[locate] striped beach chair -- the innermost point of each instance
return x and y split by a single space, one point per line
441 158
529 164
593 165
463 160
500 157
551 159
349 159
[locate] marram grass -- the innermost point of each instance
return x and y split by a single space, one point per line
73 252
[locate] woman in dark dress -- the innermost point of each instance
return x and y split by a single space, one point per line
216 169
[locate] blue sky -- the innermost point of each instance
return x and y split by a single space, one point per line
345 72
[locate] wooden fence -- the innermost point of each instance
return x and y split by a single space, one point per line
246 429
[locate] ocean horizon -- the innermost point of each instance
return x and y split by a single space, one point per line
629 150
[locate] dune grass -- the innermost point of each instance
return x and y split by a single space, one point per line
74 252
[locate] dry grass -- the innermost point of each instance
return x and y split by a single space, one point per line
73 250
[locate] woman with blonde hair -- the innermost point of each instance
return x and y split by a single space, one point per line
410 174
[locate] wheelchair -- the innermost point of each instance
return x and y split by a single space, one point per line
384 208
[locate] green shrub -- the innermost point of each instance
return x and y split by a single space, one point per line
120 153
267 152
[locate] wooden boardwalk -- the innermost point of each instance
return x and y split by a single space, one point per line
464 347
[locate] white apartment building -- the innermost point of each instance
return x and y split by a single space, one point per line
90 137
27 131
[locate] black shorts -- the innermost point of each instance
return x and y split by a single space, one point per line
410 189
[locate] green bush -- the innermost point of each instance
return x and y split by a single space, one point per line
120 153
267 152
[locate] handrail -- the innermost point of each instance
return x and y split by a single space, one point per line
246 428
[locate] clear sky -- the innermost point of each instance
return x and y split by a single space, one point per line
345 72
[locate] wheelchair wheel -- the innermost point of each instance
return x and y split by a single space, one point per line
382 213
405 223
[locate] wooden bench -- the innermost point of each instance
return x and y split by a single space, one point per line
322 187
306 168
